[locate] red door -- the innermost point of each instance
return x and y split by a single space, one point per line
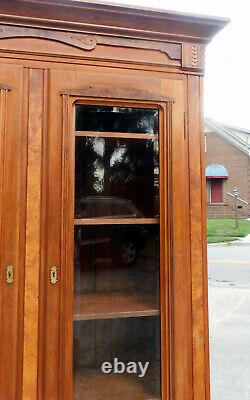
216 191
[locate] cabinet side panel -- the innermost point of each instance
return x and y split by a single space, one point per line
204 235
12 214
198 243
180 277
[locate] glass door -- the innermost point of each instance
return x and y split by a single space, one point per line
116 311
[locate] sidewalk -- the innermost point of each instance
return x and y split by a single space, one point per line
245 241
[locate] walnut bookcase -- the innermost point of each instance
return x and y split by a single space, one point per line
102 201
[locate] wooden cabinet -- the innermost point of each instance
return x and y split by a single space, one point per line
13 154
102 199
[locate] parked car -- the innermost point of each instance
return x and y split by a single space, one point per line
106 207
121 242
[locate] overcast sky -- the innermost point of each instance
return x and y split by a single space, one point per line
227 83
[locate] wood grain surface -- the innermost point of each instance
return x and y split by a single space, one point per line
53 55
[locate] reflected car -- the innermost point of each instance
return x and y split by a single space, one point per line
120 242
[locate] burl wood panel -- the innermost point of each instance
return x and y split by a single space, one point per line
52 315
33 229
12 209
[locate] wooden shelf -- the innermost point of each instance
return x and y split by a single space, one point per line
116 221
108 306
97 386
122 135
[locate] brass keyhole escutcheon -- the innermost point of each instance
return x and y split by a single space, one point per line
10 274
53 275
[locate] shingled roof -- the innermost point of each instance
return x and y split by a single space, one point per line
239 137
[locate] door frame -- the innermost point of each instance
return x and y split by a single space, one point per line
128 98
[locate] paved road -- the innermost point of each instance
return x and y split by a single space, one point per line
229 307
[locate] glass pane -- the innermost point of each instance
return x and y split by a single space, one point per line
116 119
116 313
116 178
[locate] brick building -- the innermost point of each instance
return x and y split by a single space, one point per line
227 166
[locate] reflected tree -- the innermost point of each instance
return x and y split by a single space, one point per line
117 167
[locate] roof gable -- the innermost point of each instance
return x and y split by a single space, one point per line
229 133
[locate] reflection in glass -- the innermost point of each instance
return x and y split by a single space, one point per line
116 310
130 339
116 119
117 258
116 178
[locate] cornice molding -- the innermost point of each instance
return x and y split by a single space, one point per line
85 25
89 41
190 55
111 20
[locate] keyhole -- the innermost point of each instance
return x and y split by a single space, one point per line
53 275
10 274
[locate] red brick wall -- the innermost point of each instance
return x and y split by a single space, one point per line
237 163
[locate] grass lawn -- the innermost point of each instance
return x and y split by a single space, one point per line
222 230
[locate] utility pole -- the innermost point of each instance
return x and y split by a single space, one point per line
235 194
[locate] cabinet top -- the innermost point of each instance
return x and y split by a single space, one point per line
108 18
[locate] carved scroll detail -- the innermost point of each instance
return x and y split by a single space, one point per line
85 42
89 42
193 56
